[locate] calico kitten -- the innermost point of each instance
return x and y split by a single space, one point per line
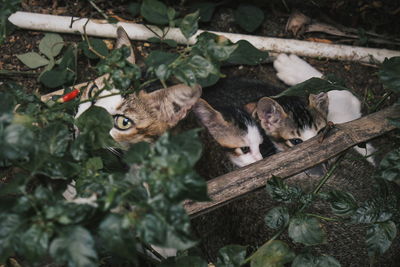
289 121
140 116
343 106
236 131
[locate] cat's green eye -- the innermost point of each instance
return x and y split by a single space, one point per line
122 122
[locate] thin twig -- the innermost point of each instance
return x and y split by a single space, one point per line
98 9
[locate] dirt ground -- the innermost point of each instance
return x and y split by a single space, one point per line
245 216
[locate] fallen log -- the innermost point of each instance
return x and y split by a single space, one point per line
230 186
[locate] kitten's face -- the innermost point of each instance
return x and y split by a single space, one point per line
235 131
292 123
140 116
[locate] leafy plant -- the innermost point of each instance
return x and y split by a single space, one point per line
249 17
7 7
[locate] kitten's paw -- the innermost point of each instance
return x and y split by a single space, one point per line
293 70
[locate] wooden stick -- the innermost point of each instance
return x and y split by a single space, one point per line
226 188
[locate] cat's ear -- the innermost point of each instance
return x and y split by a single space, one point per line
250 108
173 103
320 102
270 113
123 39
224 132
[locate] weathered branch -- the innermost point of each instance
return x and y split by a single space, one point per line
285 164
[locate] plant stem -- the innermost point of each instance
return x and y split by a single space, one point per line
322 217
15 73
98 9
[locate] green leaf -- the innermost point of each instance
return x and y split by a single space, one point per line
310 260
206 10
154 11
51 44
74 245
389 168
249 17
64 73
55 139
33 60
379 237
272 254
94 164
17 142
282 192
9 224
94 125
97 44
342 203
116 236
34 243
372 211
134 8
157 58
247 54
306 230
185 75
311 86
277 217
231 256
390 73
185 261
137 153
189 24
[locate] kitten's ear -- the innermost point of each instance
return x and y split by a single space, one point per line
223 132
319 102
270 113
250 108
173 103
123 39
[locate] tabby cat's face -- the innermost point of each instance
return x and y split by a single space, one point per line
140 116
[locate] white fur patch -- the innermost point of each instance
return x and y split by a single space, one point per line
307 134
293 70
343 106
110 103
253 140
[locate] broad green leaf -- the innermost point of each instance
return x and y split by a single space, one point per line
277 217
342 203
74 245
202 67
281 191
379 237
372 211
34 242
154 12
185 75
310 260
117 237
157 58
389 168
94 164
97 44
189 24
247 54
162 72
390 73
206 10
17 141
9 224
231 256
33 60
55 139
171 13
185 261
137 153
306 230
209 81
249 17
134 8
311 86
51 45
272 254
95 125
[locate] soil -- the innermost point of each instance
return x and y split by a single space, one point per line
244 223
